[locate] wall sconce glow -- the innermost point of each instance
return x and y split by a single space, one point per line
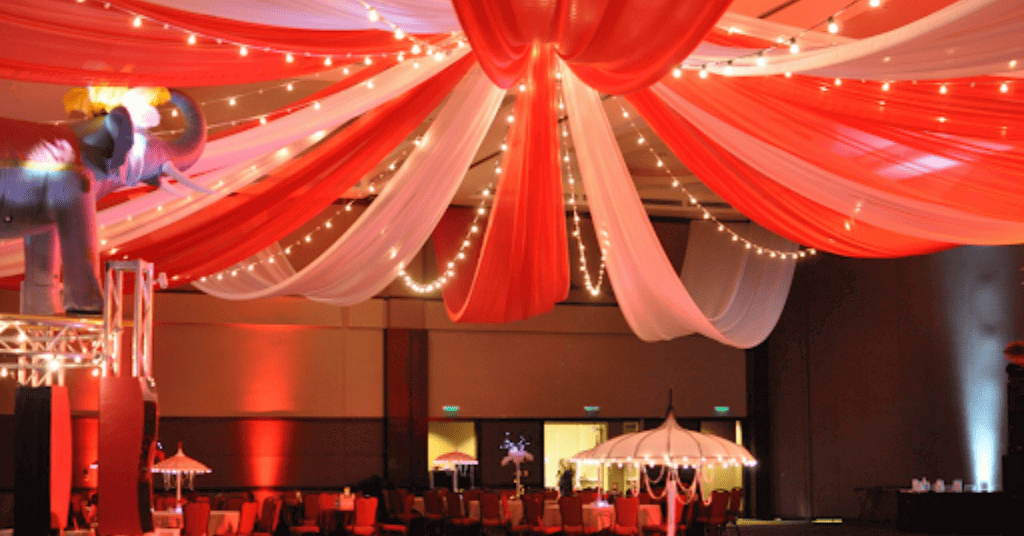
722 410
451 411
979 283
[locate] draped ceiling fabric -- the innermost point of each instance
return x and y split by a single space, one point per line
850 169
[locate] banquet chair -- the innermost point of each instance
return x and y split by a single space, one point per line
328 504
572 517
645 498
550 494
490 512
247 518
626 511
533 510
523 527
231 503
735 510
457 519
196 518
366 518
270 516
713 515
433 514
310 515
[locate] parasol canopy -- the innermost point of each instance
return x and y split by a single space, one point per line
668 444
451 459
179 465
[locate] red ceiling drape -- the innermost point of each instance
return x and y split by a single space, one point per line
775 207
522 268
65 42
243 224
608 43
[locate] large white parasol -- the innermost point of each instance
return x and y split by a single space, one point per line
672 446
179 465
451 461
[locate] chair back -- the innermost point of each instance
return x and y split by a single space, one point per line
269 514
626 509
453 506
645 498
310 508
471 495
232 503
397 500
533 510
432 502
735 503
366 511
327 501
718 508
490 506
247 517
217 502
572 511
551 494
197 518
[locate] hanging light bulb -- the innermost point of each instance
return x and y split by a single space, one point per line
137 21
373 15
399 34
761 60
703 71
289 58
875 3
793 46
327 61
243 51
728 68
1004 87
886 86
191 39
833 26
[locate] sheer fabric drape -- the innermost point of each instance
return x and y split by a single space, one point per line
394 228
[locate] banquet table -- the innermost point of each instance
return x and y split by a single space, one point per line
221 521
599 517
515 510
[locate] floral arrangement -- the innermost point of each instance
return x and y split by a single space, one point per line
516 451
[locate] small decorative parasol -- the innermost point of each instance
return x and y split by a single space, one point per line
179 465
453 461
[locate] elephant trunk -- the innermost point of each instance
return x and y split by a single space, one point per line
186 149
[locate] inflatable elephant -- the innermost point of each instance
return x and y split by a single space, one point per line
50 179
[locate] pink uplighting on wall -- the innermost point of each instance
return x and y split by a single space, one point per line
267 442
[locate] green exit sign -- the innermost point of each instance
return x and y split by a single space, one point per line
451 411
722 410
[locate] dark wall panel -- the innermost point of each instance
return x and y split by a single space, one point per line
877 367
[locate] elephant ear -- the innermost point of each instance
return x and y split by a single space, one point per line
119 125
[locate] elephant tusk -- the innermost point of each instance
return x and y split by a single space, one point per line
173 190
169 169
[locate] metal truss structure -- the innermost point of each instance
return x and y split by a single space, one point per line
38 350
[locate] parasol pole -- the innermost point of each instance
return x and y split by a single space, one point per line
670 483
177 505
455 478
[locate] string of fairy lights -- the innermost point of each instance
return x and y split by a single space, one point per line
588 281
417 46
706 213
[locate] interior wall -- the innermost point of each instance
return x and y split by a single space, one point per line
873 365
554 365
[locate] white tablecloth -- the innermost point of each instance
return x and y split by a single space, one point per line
221 521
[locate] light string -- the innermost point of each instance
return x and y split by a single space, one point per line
472 231
419 45
791 43
593 288
244 49
705 212
378 182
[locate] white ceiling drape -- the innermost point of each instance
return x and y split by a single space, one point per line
393 229
956 41
416 16
655 301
